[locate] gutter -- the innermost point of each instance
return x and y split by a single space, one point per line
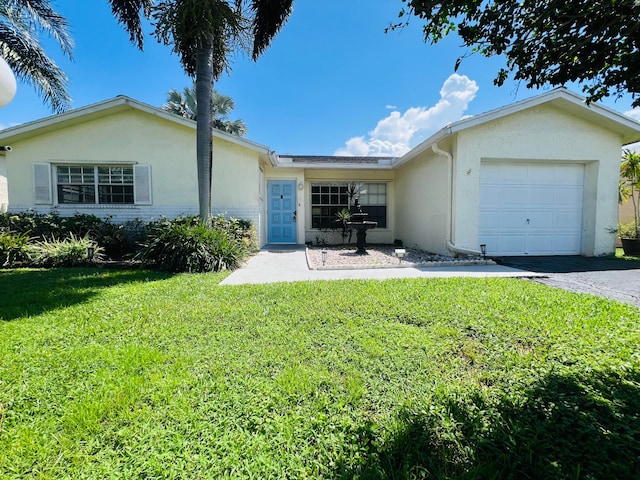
456 250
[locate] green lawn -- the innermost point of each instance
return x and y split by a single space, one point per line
132 374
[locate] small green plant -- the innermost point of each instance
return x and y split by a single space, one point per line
187 245
66 252
342 217
14 248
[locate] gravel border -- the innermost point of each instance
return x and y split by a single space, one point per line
344 257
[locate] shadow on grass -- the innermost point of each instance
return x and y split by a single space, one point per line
27 292
563 429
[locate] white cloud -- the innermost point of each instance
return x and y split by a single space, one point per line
634 113
391 107
397 133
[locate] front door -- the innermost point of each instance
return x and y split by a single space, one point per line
282 211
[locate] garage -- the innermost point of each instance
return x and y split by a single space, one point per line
531 208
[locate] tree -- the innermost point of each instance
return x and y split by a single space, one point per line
21 21
630 185
203 33
185 104
593 42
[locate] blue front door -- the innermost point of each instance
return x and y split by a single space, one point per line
282 211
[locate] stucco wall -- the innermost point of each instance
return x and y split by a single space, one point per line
422 198
236 182
130 137
543 134
4 192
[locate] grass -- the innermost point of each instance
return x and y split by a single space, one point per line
620 254
146 375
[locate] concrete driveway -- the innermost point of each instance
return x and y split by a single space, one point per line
607 277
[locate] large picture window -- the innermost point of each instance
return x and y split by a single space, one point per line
95 185
327 199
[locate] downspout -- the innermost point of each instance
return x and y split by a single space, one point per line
451 240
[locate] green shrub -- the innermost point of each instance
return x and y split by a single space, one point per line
14 248
66 252
187 245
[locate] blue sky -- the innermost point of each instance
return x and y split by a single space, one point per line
332 81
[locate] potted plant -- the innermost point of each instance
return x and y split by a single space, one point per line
630 191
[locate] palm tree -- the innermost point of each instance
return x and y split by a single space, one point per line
203 33
20 23
185 104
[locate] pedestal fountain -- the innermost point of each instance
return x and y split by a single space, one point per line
360 225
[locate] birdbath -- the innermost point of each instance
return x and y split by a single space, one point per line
360 225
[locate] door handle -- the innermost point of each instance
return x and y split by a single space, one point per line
295 213
527 221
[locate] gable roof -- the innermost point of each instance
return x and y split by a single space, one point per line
109 107
560 97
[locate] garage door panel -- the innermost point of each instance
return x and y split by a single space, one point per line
538 244
565 244
512 220
490 220
540 196
568 195
570 174
571 221
510 244
540 220
538 207
541 175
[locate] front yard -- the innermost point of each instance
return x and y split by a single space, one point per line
138 374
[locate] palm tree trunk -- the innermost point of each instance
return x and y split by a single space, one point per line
204 153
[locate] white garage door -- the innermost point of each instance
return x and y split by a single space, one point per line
531 208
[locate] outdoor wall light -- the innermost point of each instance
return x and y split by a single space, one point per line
90 253
483 249
7 83
400 253
324 257
300 185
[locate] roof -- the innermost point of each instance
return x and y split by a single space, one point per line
562 98
109 107
335 162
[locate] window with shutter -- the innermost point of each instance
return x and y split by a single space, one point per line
142 184
42 183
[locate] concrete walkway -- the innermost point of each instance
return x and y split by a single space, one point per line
289 264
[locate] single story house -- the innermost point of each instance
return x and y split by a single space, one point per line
538 177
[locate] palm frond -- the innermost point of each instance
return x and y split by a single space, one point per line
269 17
130 13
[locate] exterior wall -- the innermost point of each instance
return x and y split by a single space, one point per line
541 134
132 136
4 191
129 136
422 198
235 185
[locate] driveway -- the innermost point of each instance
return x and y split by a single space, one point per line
608 277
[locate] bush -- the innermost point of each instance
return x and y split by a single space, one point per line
66 252
187 245
14 248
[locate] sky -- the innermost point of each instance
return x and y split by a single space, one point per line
331 83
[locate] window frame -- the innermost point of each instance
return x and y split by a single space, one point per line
329 208
92 184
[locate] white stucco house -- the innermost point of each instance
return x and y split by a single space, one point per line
538 177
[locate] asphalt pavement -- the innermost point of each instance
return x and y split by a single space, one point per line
608 277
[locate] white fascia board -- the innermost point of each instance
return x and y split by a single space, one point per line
336 166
